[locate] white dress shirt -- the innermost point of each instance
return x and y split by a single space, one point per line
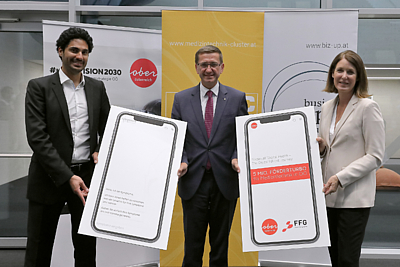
204 97
333 124
79 117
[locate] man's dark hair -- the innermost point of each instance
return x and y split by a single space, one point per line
74 33
208 49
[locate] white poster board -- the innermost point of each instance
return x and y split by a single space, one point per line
134 183
281 200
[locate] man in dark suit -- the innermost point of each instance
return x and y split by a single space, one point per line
65 113
208 175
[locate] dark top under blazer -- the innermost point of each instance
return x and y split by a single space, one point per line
49 134
221 148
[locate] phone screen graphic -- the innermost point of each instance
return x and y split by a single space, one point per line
281 193
132 205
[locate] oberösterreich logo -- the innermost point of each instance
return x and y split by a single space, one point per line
269 227
143 72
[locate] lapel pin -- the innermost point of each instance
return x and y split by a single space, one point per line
224 98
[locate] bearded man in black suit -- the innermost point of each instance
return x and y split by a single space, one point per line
65 114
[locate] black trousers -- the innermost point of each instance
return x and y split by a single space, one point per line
42 226
208 207
346 229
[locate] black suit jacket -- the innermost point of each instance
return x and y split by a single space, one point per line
49 134
220 148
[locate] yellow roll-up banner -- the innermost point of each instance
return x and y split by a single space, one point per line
239 35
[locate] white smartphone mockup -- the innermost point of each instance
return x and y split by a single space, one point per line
132 205
278 160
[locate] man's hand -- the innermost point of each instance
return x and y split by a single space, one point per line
78 187
235 165
95 156
331 186
182 170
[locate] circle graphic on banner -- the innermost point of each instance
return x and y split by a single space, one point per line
297 84
143 72
269 226
254 125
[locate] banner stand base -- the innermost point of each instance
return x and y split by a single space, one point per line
109 253
290 264
303 257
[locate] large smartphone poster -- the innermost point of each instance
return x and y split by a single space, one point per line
133 187
281 182
299 47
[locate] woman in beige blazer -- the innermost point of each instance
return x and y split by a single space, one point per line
352 145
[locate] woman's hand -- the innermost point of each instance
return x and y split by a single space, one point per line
322 145
331 186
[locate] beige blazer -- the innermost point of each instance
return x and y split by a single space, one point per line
355 152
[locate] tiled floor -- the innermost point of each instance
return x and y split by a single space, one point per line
15 258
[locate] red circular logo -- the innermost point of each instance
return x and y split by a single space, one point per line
269 227
254 125
143 72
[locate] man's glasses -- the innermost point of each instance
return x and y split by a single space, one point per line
204 65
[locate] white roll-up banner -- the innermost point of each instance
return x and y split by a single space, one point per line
299 47
127 60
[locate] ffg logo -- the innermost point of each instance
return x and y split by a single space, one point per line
295 224
288 226
300 223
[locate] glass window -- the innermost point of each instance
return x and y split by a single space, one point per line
13 202
387 94
23 53
22 60
144 22
383 229
378 41
264 3
183 3
365 3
